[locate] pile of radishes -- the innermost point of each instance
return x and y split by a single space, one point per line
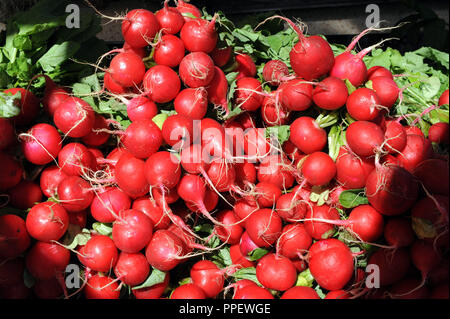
149 185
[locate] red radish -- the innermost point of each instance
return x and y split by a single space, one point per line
264 227
386 90
245 173
11 172
170 19
54 95
17 291
141 108
168 196
351 67
395 136
330 94
253 292
430 219
406 289
142 138
276 272
393 264
274 71
188 11
48 289
351 171
307 135
267 194
443 99
156 214
365 222
208 277
424 257
112 86
312 56
188 291
24 195
433 174
275 169
78 219
243 208
196 69
11 271
391 190
75 159
294 241
417 150
300 292
331 263
290 209
7 133
127 69
193 160
165 250
47 221
318 229
101 287
338 294
14 238
245 65
296 95
97 138
47 260
99 253
246 245
169 51
398 232
152 292
238 258
139 27
364 138
29 106
107 205
411 130
132 269
248 95
74 117
199 35
129 174
162 169
439 273
41 144
363 104
221 56
132 231
161 83
177 131
318 168
222 175
75 194
228 234
141 52
377 71
218 89
192 103
50 178
440 292
256 145
272 114
438 133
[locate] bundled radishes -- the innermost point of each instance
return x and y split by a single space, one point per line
233 176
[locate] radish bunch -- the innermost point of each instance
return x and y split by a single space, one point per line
136 205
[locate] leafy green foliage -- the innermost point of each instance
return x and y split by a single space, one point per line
353 197
9 104
156 277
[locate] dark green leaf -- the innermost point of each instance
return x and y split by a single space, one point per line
257 254
58 54
352 198
155 277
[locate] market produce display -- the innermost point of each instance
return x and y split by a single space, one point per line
201 160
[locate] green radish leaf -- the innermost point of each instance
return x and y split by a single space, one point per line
80 239
246 273
280 133
319 292
184 281
58 54
431 87
188 15
155 277
28 279
350 87
305 279
353 197
257 254
103 228
369 85
319 195
159 119
9 104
